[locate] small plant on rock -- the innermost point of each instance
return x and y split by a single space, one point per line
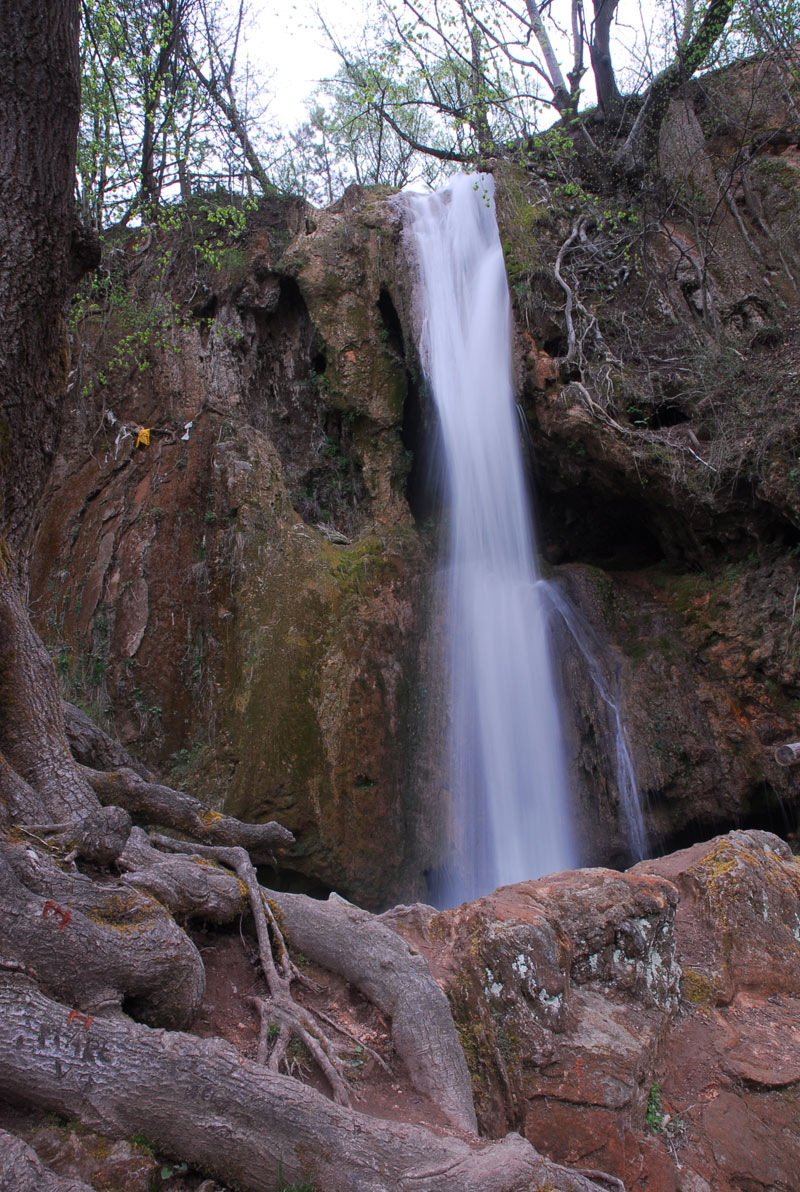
654 1115
656 1119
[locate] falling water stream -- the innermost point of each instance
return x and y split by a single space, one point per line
511 815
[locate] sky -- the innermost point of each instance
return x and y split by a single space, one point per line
286 42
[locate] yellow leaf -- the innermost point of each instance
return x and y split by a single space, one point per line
143 437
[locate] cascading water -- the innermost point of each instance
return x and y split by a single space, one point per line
624 772
511 814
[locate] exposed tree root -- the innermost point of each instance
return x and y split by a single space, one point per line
173 809
90 746
280 1009
97 946
187 889
341 938
398 981
199 1099
22 1171
99 836
602 1177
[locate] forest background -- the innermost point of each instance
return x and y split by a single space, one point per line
178 95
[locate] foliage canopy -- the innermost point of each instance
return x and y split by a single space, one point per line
431 85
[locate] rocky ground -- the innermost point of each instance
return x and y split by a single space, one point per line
640 1024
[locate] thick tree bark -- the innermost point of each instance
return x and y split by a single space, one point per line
199 1099
39 99
174 809
90 746
398 981
98 947
608 95
345 940
32 734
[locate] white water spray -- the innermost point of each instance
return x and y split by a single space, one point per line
510 803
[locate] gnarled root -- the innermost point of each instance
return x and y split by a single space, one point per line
174 809
397 980
90 746
343 939
96 946
280 1008
233 1118
99 836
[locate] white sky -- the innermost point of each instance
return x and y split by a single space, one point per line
285 42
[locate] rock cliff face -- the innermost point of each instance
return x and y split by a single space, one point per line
243 594
664 422
248 595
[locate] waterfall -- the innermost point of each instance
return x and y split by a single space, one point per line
624 771
510 805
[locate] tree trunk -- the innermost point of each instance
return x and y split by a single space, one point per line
561 93
32 732
608 95
39 101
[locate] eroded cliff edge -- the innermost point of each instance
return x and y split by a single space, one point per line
664 421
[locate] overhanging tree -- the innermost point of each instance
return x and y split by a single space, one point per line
491 68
